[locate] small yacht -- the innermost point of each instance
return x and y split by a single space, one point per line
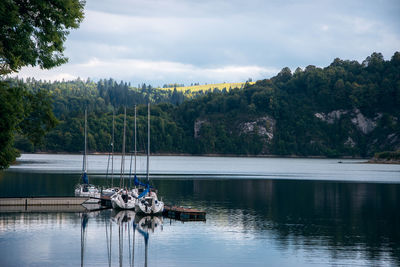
107 192
148 202
88 190
85 189
123 198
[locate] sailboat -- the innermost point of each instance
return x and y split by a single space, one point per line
148 202
123 199
85 189
106 193
134 190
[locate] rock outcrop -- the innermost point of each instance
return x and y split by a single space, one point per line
363 123
197 127
264 126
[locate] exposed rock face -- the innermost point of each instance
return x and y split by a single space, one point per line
332 116
364 124
264 126
393 140
350 142
197 126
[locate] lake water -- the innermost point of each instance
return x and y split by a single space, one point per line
260 212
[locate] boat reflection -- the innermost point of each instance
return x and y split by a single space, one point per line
84 223
129 225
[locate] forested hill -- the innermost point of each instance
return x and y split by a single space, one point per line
345 109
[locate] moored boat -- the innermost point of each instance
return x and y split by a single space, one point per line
148 202
85 189
123 198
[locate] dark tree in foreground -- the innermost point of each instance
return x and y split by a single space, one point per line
32 33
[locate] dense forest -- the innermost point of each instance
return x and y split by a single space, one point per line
345 109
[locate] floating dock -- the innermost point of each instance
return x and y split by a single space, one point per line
48 204
44 208
42 201
184 214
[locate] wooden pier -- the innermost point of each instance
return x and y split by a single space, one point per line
44 208
42 201
48 204
184 214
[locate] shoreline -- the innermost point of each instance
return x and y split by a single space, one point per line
208 155
374 161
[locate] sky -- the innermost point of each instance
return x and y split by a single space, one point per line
211 41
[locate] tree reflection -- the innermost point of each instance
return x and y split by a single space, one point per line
343 217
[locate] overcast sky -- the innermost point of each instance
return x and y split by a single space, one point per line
208 41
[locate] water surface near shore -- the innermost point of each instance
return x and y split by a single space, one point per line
260 212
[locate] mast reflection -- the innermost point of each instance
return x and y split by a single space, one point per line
129 223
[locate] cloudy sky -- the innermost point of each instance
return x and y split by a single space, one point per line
207 41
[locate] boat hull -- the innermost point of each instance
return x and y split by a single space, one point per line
149 207
88 191
118 201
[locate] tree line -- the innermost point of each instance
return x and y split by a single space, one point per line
292 100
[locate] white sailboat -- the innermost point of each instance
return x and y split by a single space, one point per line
106 193
134 190
148 202
123 199
85 189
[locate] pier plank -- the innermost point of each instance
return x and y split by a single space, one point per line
38 201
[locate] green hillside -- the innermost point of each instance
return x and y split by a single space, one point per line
345 109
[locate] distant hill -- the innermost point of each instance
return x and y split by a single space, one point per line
345 109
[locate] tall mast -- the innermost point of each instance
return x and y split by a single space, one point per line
121 183
130 168
85 155
135 141
112 150
148 141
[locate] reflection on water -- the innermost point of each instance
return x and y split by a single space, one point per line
125 224
254 222
285 223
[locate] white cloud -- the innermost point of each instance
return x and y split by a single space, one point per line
187 41
145 70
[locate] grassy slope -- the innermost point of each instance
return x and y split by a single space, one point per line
205 87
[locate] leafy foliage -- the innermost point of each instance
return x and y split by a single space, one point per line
27 113
33 32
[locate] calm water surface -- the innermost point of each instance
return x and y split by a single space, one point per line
260 212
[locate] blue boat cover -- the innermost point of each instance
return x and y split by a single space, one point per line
144 192
137 182
85 178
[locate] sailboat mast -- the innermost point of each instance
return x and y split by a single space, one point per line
121 183
112 150
130 168
148 141
135 141
85 155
